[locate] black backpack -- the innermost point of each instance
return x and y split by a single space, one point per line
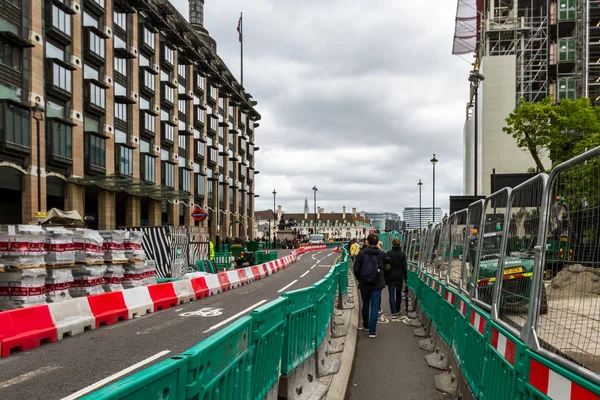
370 271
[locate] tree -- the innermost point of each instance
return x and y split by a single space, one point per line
534 126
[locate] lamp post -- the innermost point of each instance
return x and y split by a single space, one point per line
274 217
433 162
420 184
38 115
315 217
475 78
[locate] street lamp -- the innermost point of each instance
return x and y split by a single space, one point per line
274 216
420 184
38 115
315 217
475 78
433 162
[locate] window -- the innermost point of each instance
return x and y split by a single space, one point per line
120 20
61 135
121 111
96 95
143 61
61 77
95 149
90 72
168 132
149 38
121 66
149 80
53 51
124 159
61 20
10 56
89 20
182 106
149 123
181 70
96 44
14 122
148 168
169 93
169 55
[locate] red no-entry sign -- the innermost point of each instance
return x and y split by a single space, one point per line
199 215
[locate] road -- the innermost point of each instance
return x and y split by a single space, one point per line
83 363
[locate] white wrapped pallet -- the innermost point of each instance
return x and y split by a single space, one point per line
58 283
22 246
87 280
60 250
22 288
88 246
133 246
133 275
113 278
114 246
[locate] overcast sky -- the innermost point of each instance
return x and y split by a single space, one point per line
355 96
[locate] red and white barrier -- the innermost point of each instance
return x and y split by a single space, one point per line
26 328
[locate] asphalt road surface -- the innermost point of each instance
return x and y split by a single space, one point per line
81 364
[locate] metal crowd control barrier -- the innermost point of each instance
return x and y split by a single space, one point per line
247 359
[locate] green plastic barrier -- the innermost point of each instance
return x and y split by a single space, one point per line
300 330
219 367
475 348
165 380
501 372
268 328
222 260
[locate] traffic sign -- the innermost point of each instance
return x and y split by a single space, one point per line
199 215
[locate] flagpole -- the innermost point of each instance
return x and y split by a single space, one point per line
241 49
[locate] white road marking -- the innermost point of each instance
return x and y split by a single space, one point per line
113 377
304 274
285 287
23 377
220 324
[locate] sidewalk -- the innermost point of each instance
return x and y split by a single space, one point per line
392 366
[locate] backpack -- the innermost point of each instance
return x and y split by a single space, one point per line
370 268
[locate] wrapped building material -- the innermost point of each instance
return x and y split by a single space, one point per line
22 288
88 247
114 246
58 283
87 280
133 246
60 250
113 278
22 246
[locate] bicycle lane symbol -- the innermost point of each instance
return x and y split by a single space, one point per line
203 312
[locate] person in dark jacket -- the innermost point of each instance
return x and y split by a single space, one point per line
370 292
395 276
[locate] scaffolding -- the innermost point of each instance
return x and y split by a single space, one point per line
520 28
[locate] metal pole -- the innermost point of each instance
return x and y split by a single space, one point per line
476 142
39 169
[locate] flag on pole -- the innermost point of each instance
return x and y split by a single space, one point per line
239 27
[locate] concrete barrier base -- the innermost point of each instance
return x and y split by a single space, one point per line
302 383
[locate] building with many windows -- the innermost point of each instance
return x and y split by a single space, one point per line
127 112
412 215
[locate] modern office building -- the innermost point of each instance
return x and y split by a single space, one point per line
123 111
410 215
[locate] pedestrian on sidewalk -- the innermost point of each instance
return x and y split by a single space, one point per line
369 271
395 277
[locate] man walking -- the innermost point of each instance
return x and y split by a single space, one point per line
369 271
395 276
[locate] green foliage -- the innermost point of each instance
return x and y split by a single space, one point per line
562 130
